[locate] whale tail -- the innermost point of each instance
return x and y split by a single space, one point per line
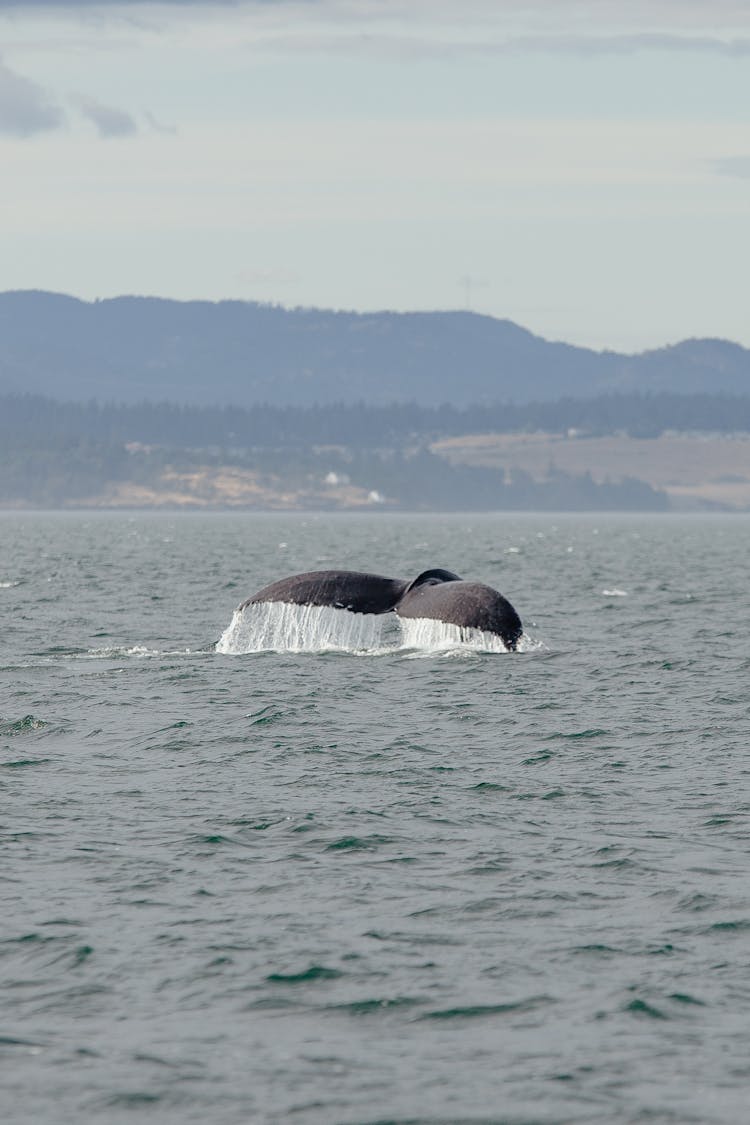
436 594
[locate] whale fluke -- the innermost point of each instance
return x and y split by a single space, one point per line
438 595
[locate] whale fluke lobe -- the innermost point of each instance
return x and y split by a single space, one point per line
340 589
471 605
437 595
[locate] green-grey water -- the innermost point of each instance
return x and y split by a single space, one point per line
390 885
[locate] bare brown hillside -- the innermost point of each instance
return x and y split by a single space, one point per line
695 470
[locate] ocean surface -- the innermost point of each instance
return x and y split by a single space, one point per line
391 878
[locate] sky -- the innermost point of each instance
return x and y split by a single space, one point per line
581 167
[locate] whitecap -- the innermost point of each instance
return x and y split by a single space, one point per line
115 652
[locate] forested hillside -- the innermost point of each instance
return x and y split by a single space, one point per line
128 349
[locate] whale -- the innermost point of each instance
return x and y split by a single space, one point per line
436 594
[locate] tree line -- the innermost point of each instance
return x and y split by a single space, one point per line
36 422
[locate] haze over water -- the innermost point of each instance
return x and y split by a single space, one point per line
400 884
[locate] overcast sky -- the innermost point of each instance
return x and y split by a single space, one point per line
582 168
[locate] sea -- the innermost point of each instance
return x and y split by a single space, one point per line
316 870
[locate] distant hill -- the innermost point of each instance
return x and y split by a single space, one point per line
130 349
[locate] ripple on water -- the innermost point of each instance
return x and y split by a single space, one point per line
305 976
483 1011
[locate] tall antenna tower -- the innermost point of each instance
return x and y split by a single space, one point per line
469 284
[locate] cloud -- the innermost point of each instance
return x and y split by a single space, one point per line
25 107
160 126
736 166
120 3
643 14
433 45
629 44
412 28
109 122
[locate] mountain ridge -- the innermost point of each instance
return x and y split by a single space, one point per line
133 349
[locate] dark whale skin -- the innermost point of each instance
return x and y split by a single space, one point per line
468 604
341 589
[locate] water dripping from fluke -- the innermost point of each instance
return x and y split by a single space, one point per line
283 627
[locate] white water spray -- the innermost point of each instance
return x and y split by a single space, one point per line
282 627
425 633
